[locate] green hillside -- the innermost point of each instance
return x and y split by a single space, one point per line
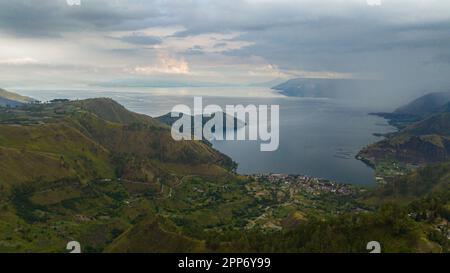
110 110
115 181
11 100
55 157
423 138
438 124
14 96
95 139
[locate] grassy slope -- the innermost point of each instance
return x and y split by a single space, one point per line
70 150
110 110
14 97
84 141
153 235
47 150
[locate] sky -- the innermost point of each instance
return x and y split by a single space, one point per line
402 46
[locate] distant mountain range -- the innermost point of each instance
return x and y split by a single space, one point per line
427 105
171 83
320 88
11 99
418 109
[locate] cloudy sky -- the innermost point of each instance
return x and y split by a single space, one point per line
49 43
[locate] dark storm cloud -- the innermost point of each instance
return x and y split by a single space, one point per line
392 41
284 25
327 35
30 18
442 58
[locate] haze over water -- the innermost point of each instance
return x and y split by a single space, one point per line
318 137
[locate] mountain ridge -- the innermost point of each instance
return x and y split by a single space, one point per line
320 88
12 99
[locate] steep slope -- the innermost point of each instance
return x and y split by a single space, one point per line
419 109
426 105
146 138
93 139
438 124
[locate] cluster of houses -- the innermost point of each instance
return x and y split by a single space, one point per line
311 185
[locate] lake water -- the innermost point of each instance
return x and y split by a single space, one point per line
318 137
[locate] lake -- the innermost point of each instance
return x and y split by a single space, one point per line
318 137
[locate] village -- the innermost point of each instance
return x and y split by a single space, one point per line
308 185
